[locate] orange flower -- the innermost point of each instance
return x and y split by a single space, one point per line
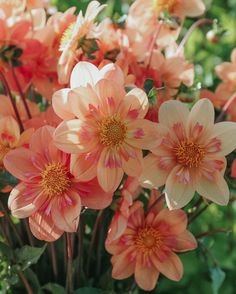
48 193
109 134
148 245
190 154
10 137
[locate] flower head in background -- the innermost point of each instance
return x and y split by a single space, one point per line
147 246
190 154
48 193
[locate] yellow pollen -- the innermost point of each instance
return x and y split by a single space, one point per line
164 5
148 240
111 131
189 153
55 179
66 36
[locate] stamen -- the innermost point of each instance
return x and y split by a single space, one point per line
189 153
111 131
55 179
148 239
66 36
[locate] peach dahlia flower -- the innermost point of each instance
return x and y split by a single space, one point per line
190 154
48 193
108 134
148 245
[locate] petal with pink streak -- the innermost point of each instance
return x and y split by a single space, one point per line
18 162
176 220
184 241
134 105
152 175
178 192
83 101
146 276
226 133
142 134
24 203
109 172
74 136
123 266
61 104
92 195
215 190
110 95
43 227
171 266
83 167
9 131
172 112
84 73
202 114
41 138
66 211
133 166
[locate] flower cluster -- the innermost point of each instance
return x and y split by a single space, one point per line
91 116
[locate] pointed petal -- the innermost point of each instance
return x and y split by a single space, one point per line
61 104
83 168
215 190
184 242
41 138
122 265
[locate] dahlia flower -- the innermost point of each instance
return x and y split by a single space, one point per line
190 154
48 193
147 247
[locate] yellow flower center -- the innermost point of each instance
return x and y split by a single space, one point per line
111 131
164 5
189 153
66 36
55 179
148 239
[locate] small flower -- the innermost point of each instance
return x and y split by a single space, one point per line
48 193
148 245
109 133
190 154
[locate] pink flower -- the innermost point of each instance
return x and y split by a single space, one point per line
83 27
190 154
48 193
109 133
148 245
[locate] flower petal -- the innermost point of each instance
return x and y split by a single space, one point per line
171 267
226 133
108 177
18 163
83 168
178 194
152 176
66 211
61 104
92 195
43 227
172 112
41 138
215 190
145 276
185 241
74 136
123 267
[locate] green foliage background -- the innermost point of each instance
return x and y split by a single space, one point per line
211 268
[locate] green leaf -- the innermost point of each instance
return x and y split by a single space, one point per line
5 252
217 277
27 255
54 288
90 290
